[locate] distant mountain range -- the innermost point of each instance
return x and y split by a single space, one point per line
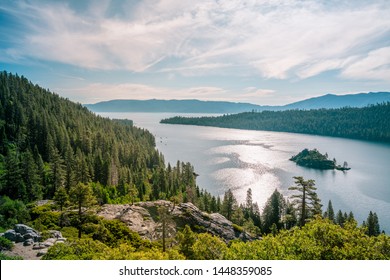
197 106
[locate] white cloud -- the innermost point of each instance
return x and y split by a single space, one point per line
375 65
272 39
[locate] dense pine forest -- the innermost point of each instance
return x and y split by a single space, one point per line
368 123
59 162
48 142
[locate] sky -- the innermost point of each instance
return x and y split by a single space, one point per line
262 52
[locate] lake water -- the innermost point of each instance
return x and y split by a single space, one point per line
242 159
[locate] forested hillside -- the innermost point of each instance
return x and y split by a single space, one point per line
49 143
368 123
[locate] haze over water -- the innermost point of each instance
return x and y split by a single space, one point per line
242 159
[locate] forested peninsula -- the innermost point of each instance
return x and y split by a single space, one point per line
74 185
367 123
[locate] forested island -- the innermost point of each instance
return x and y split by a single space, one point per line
314 159
68 173
367 123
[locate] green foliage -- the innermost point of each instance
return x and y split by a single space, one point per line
81 249
49 145
238 228
38 210
88 249
306 201
69 232
81 195
274 209
229 205
208 247
5 244
4 257
48 142
372 224
47 220
368 123
127 252
12 212
186 240
319 239
61 197
114 232
329 213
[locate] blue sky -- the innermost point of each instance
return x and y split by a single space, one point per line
264 52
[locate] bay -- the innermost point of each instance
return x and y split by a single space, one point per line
242 159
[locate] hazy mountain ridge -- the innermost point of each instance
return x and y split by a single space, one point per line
332 101
328 101
174 106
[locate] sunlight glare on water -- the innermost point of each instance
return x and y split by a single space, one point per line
241 159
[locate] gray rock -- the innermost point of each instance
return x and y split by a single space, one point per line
49 242
23 229
38 246
32 235
21 233
28 242
55 234
42 252
19 237
10 235
13 236
143 219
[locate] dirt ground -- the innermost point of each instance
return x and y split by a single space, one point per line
26 252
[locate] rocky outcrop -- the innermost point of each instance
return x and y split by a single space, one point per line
22 233
143 218
30 237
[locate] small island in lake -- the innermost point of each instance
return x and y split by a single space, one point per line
314 159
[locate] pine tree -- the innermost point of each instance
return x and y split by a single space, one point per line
330 212
81 195
351 217
340 218
186 239
229 204
273 211
31 176
57 172
307 201
372 223
164 218
61 197
248 204
12 184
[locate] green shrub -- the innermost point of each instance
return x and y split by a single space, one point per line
90 228
37 211
237 228
69 232
4 257
5 244
12 212
80 249
114 232
47 220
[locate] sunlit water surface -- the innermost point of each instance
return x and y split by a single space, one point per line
242 159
